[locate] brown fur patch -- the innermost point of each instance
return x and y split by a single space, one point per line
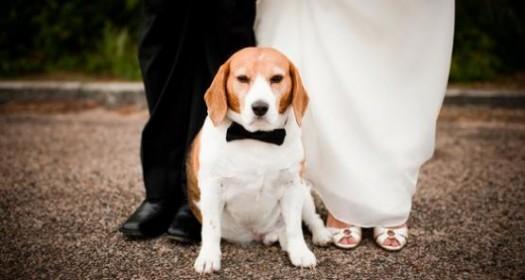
192 169
285 101
215 96
299 98
303 167
233 101
253 62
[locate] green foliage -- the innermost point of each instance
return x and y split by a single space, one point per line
95 37
474 57
115 55
100 38
489 39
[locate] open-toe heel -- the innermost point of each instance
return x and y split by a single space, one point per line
340 234
400 234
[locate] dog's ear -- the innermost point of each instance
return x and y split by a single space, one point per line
215 96
299 95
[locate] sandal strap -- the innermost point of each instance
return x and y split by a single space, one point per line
351 231
401 231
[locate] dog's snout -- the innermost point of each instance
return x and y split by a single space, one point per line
260 108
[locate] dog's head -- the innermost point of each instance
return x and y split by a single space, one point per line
256 87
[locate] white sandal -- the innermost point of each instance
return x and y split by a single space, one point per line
339 233
400 234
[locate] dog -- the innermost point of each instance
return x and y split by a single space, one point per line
245 165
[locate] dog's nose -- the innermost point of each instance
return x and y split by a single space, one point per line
259 108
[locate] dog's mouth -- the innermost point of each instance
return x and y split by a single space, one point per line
260 124
261 120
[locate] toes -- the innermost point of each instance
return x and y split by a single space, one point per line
302 257
207 262
207 266
347 240
306 259
392 242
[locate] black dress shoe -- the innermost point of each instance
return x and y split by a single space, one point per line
185 227
151 219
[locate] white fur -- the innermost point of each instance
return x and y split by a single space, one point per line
259 91
252 191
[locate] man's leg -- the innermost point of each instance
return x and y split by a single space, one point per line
164 39
179 54
228 27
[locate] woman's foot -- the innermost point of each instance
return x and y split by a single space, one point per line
391 238
344 235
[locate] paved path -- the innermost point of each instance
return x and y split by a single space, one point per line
114 94
68 179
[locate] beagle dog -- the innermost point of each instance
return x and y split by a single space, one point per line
245 165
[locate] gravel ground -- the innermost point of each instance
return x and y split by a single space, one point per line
68 178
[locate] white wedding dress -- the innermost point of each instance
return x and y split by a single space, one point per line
376 73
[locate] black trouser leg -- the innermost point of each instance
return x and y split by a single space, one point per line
182 45
164 42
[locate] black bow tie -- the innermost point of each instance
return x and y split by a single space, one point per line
237 132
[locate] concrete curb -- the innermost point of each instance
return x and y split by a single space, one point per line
110 94
114 94
486 97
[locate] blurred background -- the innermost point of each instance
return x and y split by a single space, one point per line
75 40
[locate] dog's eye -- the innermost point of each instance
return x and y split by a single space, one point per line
243 79
275 79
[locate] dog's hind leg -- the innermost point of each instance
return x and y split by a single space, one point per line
283 242
320 234
271 237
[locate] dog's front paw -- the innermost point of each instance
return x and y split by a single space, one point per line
208 261
321 236
302 256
